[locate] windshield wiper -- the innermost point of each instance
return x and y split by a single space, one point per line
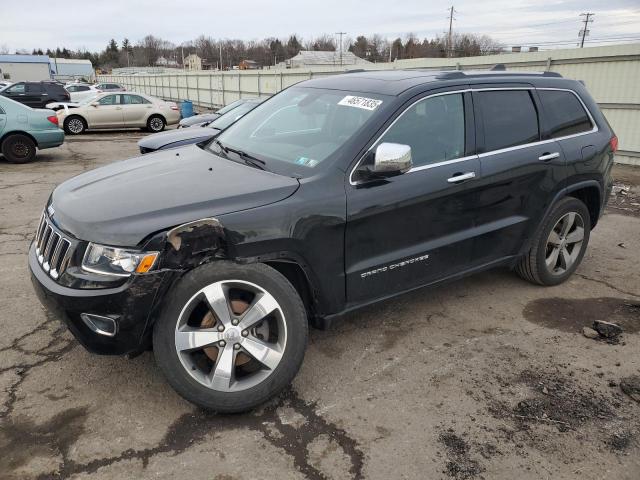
246 158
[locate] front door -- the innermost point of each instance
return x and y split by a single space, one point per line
415 228
107 113
27 94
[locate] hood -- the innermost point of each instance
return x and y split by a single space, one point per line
122 203
162 139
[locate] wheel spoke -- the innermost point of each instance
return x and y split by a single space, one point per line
265 354
576 236
262 307
217 298
552 259
222 374
196 339
554 238
567 223
565 258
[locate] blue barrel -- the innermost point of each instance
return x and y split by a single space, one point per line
186 109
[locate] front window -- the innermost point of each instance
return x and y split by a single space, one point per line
109 100
300 128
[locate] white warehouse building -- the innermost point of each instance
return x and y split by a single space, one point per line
24 68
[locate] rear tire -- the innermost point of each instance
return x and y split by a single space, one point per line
19 148
155 123
559 244
192 339
74 125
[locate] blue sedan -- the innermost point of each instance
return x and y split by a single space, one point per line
23 130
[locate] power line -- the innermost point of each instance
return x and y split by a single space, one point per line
585 31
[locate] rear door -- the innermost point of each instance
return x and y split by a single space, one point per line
35 95
135 110
415 228
106 114
521 172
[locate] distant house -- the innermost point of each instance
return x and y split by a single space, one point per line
163 62
193 62
71 69
248 65
311 58
24 68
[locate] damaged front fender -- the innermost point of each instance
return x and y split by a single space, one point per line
194 243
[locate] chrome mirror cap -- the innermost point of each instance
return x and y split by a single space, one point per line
392 158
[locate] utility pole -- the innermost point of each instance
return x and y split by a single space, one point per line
341 34
451 12
584 32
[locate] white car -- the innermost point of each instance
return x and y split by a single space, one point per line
118 110
81 91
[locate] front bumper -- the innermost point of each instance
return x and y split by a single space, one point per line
131 305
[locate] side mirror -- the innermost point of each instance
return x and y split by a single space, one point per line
391 159
94 104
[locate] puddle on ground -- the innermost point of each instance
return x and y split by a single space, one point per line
570 315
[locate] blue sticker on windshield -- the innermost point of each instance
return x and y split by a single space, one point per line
306 161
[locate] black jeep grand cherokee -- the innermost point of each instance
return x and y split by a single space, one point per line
335 193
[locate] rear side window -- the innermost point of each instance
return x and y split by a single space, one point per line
564 113
34 88
134 100
433 128
510 118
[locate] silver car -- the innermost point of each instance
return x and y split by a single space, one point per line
118 110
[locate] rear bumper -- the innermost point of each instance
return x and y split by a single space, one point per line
49 138
129 305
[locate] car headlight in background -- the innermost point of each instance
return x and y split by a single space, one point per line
117 261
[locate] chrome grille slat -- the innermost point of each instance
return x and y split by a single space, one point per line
53 249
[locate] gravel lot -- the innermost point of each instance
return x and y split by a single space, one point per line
489 377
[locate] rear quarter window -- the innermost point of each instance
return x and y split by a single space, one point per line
564 113
510 118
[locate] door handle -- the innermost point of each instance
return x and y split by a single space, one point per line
462 177
548 156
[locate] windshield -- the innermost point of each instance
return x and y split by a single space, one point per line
227 119
300 126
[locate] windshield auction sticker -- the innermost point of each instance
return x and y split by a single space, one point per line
360 102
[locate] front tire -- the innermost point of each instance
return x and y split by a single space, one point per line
19 148
231 336
559 245
155 124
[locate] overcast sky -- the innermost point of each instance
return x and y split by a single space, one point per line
547 23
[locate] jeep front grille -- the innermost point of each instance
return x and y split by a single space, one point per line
53 248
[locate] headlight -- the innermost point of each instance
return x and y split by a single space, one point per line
117 261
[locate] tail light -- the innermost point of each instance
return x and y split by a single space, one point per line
53 119
173 106
613 143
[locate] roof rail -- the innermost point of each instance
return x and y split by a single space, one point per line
452 75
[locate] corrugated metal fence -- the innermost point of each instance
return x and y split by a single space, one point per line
611 73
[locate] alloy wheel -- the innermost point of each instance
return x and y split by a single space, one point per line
231 335
156 124
75 125
564 243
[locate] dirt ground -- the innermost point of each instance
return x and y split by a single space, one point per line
489 377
